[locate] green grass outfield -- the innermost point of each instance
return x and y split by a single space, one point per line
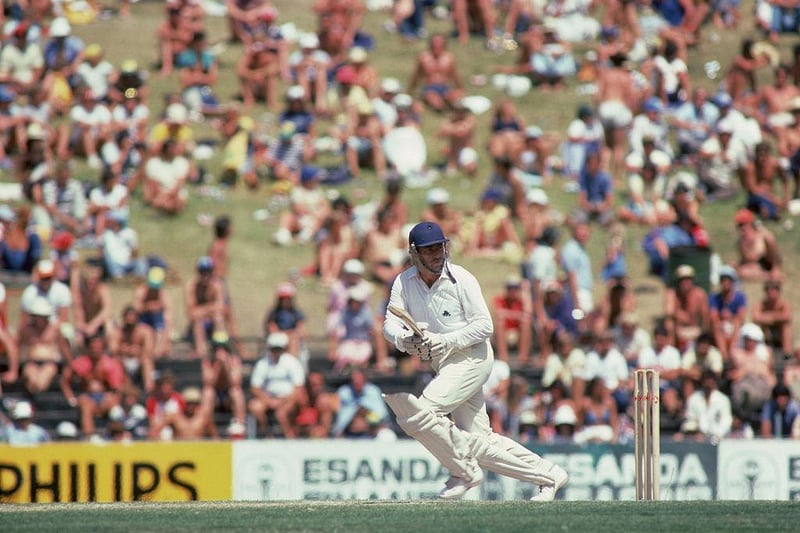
415 516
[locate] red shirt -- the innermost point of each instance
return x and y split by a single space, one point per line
502 303
107 368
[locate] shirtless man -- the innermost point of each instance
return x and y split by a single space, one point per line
195 420
205 305
133 342
616 97
458 130
222 377
776 101
740 80
686 308
259 69
154 307
42 348
760 184
338 24
446 217
384 249
773 313
759 255
91 300
436 69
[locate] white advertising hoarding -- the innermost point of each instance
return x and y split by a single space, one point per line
759 470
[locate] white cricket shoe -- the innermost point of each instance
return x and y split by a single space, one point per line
547 493
456 487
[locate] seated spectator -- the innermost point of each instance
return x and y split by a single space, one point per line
512 315
457 129
363 141
577 265
130 416
243 19
21 430
259 70
507 131
694 122
596 194
308 209
495 394
100 378
55 292
436 70
723 162
110 195
286 317
91 302
96 72
701 357
173 35
775 18
708 411
650 124
780 417
357 339
565 363
493 233
120 245
41 348
318 407
166 176
65 201
366 74
509 184
222 379
533 159
172 126
728 307
205 306
764 174
773 314
352 276
597 415
239 145
163 402
196 419
133 343
631 339
63 51
438 210
558 307
606 362
392 201
309 66
686 311
336 241
759 254
537 217
670 232
752 377
297 112
553 61
584 134
276 385
20 247
91 128
21 61
284 157
384 249
360 405
198 74
154 307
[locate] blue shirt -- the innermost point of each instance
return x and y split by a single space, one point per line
302 120
33 435
785 419
350 402
53 52
190 58
286 319
575 259
716 302
358 324
596 187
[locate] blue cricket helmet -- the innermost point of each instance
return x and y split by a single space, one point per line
426 234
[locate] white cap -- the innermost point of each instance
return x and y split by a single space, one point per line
67 430
359 292
391 85
41 306
467 156
295 92
34 131
60 27
565 415
537 196
278 339
402 100
22 409
357 55
177 113
437 195
752 331
353 266
308 40
533 132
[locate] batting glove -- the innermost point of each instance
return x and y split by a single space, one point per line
436 344
416 345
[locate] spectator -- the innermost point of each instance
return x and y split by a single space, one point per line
728 307
100 379
130 416
317 408
458 131
671 231
173 35
509 184
276 385
752 377
20 247
686 310
597 415
357 338
63 51
495 394
759 254
55 292
773 314
565 363
606 362
21 61
166 176
761 180
198 74
352 276
360 405
493 234
393 203
239 146
205 306
384 248
553 61
196 419
533 160
41 347
163 402
701 357
558 311
22 430
91 303
307 211
120 244
336 241
631 339
512 314
584 134
287 318
439 211
173 126
708 410
95 72
436 70
694 122
133 342
309 66
297 112
596 195
91 128
222 379
781 415
154 307
537 217
617 96
577 265
650 124
65 200
507 130
259 70
110 195
723 162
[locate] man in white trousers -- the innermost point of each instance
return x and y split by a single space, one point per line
447 302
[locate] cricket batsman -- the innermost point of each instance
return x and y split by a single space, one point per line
450 417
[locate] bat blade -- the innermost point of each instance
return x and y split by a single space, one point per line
407 319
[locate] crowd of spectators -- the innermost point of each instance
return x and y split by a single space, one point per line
569 318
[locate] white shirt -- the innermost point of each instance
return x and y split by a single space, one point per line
714 417
118 246
453 306
21 64
98 115
167 173
643 127
121 115
713 360
556 368
278 378
96 77
114 199
500 372
543 264
59 296
670 70
669 358
612 368
579 131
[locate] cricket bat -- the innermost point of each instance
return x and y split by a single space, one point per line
406 318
